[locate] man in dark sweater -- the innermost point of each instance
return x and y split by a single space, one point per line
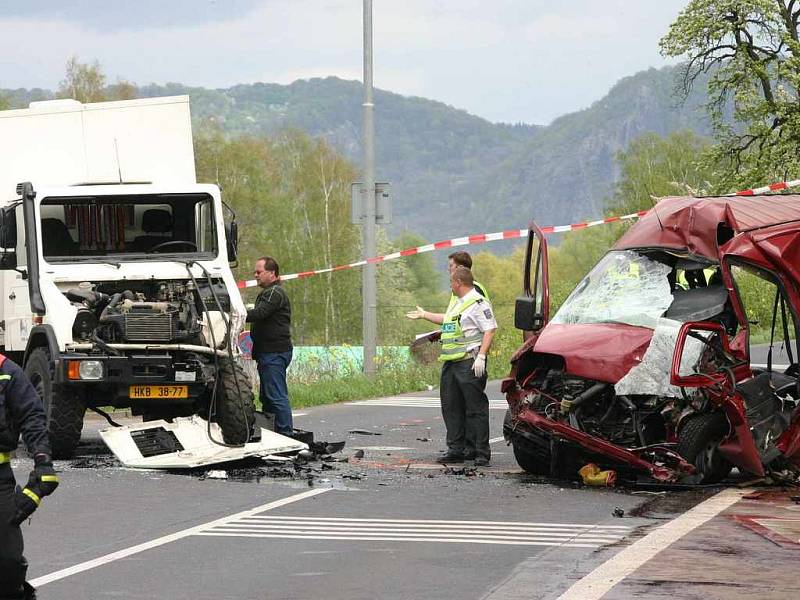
271 317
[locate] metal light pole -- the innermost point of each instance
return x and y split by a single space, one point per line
369 285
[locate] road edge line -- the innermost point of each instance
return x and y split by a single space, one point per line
600 581
119 554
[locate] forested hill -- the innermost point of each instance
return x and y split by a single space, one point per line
454 173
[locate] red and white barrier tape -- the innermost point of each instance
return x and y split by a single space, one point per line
773 187
482 238
479 238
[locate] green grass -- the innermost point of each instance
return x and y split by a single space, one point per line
388 382
329 380
326 381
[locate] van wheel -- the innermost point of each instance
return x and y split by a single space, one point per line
532 457
698 443
529 461
235 403
64 410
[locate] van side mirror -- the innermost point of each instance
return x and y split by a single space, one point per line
232 240
8 238
526 315
683 359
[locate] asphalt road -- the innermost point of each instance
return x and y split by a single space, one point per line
391 525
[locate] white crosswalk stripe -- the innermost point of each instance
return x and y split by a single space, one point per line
419 402
408 530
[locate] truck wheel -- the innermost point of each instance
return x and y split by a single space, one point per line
698 443
235 406
64 410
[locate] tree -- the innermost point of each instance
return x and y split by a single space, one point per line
122 90
750 50
653 167
291 194
425 282
5 103
84 82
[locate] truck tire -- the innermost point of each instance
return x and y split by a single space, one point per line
235 404
698 443
64 410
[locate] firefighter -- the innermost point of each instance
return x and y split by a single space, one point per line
21 412
468 328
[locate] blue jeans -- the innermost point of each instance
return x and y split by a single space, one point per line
273 391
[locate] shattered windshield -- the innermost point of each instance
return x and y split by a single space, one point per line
624 287
127 227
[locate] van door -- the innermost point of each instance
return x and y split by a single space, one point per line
532 311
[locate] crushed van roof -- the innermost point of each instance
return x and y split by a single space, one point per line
689 223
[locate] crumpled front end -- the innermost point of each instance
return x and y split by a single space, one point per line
565 410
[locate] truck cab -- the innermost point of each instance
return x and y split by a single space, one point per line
119 292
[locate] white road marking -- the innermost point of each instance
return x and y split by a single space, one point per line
419 402
621 528
405 530
597 583
114 556
497 439
764 366
569 544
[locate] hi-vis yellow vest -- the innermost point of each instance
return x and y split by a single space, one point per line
454 342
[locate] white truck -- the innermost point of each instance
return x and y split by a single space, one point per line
114 268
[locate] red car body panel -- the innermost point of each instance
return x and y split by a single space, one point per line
691 223
616 348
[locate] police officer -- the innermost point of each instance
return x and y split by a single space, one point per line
20 412
468 328
462 258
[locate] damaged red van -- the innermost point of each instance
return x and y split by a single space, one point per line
646 367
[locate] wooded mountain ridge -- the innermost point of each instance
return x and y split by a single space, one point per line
454 173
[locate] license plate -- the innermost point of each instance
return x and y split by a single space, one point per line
159 391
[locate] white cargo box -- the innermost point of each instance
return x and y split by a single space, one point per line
64 142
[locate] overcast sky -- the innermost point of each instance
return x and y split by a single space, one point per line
504 60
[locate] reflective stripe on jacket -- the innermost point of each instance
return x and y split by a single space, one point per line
454 342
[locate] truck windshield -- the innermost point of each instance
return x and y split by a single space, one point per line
624 287
135 226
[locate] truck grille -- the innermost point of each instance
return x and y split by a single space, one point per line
148 327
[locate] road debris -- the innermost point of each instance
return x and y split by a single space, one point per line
592 475
185 444
618 512
363 432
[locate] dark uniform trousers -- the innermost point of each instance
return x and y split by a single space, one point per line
465 409
13 565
